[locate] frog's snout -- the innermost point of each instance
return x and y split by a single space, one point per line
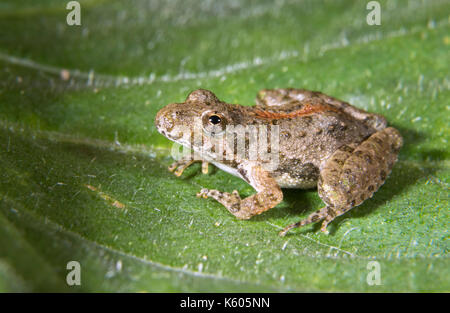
164 121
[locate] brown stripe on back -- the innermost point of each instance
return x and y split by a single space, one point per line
305 110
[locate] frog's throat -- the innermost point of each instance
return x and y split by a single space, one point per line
204 154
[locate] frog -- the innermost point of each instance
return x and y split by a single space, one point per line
322 142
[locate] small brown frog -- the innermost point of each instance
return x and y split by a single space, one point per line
317 140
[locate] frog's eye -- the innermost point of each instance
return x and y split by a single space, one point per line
214 119
214 123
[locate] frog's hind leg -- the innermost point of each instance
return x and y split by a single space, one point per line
352 174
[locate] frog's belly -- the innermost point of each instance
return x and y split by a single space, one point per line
228 169
287 181
284 180
293 173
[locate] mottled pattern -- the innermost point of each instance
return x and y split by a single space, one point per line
353 174
344 151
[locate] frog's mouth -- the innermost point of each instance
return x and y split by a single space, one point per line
201 149
186 140
165 125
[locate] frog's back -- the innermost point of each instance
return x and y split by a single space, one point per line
301 102
312 127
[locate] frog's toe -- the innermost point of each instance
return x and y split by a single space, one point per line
179 166
173 166
288 228
203 193
205 167
178 172
312 218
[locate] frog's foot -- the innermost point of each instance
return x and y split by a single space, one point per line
352 175
314 217
245 208
231 201
269 194
179 166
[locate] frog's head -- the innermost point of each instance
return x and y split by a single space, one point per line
198 122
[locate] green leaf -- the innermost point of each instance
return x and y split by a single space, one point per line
84 172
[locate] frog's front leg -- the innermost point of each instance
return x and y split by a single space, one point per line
268 194
352 174
179 166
